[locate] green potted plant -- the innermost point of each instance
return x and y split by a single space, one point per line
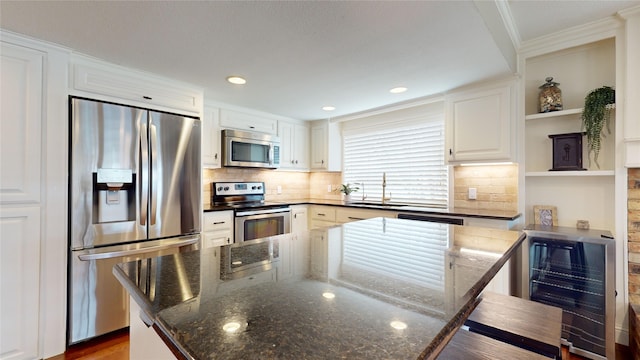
347 189
596 113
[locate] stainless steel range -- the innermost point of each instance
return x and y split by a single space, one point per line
256 224
254 218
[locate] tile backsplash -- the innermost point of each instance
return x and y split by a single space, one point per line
496 186
295 185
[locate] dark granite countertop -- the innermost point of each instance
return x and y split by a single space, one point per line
460 212
372 289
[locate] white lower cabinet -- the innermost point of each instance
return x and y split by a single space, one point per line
20 277
144 342
217 228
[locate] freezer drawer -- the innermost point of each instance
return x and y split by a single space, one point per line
98 304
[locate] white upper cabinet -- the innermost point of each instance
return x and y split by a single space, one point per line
21 114
294 142
326 146
230 119
211 138
480 123
118 83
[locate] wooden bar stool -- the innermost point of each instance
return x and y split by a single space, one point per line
526 324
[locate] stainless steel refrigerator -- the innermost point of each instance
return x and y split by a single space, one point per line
135 192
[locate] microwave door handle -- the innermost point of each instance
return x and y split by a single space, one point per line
271 155
153 136
144 174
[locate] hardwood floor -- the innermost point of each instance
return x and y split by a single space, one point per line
115 346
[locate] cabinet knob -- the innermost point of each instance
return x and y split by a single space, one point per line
292 162
252 127
450 152
218 222
147 98
322 162
296 161
215 156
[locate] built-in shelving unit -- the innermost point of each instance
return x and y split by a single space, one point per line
553 114
578 195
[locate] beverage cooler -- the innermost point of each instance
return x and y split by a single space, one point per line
574 270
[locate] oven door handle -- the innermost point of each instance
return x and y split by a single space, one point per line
264 211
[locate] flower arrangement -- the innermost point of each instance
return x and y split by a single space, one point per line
597 111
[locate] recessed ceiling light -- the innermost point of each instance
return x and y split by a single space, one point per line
231 327
237 80
328 108
398 325
398 90
328 295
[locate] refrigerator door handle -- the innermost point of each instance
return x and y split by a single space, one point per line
153 136
144 179
123 251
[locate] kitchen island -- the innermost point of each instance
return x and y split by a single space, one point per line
377 289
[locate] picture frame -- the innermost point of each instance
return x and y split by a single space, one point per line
545 215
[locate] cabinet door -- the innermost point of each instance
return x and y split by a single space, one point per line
479 125
301 146
319 146
241 121
299 222
21 119
287 145
211 138
20 281
120 83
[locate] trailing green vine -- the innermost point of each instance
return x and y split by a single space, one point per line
597 113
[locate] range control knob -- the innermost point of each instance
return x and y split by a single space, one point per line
226 188
219 188
259 187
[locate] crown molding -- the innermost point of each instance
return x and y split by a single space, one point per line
509 23
575 36
627 13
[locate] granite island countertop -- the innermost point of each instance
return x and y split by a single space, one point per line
380 288
424 210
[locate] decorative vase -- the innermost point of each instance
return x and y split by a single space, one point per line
550 96
347 197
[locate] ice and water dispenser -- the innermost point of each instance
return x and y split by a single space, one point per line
114 194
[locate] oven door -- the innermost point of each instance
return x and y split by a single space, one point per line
258 224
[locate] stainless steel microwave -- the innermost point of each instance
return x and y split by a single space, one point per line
250 149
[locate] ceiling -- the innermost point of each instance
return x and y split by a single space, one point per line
298 56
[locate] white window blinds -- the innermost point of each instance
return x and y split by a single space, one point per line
411 155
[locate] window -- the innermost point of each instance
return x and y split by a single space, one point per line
409 153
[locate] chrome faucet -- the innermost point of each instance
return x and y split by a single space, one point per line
363 195
384 186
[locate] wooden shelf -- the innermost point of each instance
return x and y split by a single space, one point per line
569 173
553 114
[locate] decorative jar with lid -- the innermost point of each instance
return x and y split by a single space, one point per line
550 96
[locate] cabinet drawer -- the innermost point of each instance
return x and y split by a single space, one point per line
323 213
218 221
216 238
